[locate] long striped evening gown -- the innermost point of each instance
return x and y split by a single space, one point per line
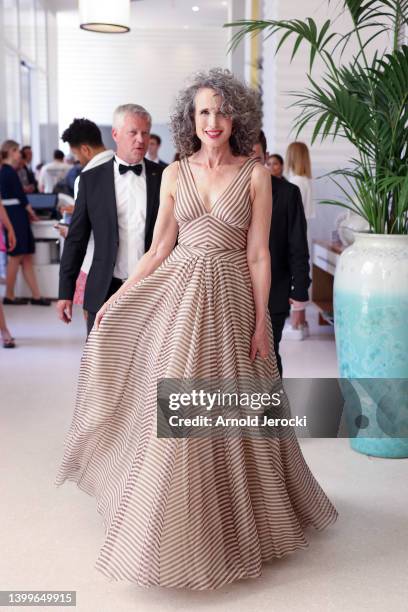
195 513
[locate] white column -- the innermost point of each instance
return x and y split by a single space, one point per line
52 136
236 58
270 11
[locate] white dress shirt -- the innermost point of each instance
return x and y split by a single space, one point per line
153 159
131 203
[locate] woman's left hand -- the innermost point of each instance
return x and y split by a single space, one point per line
260 344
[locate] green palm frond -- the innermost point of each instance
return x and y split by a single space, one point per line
363 12
303 31
364 101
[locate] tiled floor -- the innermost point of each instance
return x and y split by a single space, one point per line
49 537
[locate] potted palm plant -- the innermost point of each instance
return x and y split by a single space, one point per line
364 100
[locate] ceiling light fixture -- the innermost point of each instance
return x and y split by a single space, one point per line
105 16
195 9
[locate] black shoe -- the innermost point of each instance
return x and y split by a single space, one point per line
15 301
40 302
9 343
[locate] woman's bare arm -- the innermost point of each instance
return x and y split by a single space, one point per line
4 219
258 255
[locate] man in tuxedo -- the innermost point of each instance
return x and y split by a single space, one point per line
118 201
289 251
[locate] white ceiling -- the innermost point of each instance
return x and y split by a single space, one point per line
167 13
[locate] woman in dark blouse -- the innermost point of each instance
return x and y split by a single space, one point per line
20 214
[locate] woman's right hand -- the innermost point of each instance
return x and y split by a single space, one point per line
101 312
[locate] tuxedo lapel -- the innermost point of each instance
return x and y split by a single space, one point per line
152 182
111 179
110 195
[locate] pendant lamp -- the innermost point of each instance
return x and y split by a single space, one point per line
105 16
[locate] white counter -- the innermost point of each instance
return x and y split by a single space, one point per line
46 261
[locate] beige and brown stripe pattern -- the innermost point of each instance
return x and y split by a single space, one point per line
195 513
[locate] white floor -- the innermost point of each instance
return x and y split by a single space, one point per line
49 537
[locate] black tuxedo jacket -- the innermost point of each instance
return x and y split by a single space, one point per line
288 247
95 209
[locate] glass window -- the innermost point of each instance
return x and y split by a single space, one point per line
25 95
41 19
42 98
43 114
27 29
12 93
10 21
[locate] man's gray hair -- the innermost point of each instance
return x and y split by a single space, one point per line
126 109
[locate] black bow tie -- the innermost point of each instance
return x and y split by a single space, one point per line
137 169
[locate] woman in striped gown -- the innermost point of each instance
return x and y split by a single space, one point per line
189 512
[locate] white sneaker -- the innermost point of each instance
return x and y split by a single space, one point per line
295 333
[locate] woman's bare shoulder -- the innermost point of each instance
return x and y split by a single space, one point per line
171 171
169 176
260 173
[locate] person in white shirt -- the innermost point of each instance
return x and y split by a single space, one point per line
118 201
85 140
52 173
299 169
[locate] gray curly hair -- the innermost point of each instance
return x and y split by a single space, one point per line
240 102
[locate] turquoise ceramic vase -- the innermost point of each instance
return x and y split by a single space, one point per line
371 327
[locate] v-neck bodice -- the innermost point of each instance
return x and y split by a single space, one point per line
226 224
224 192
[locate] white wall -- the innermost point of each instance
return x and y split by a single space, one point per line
97 72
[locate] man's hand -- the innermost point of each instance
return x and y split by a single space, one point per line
62 230
297 313
64 309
